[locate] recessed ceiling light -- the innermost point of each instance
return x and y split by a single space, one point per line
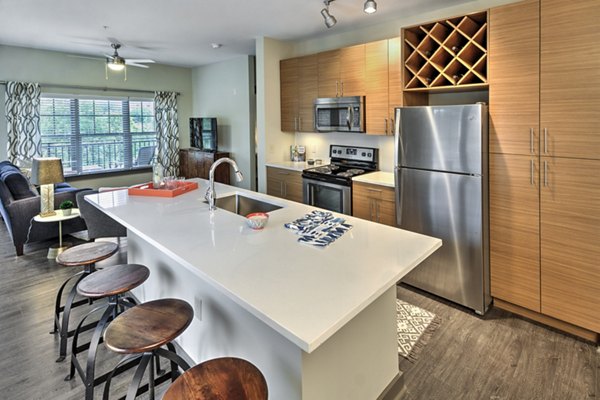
370 6
216 45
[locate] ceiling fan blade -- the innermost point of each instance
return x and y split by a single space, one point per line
107 56
138 61
137 65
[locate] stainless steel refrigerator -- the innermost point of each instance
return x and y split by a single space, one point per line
442 190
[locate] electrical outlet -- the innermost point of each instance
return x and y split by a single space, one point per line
198 308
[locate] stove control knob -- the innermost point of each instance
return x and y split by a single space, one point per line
364 154
369 154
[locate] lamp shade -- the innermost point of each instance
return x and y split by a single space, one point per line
46 171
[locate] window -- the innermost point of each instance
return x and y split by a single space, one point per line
95 135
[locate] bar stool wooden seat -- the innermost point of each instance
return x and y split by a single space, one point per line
111 282
140 333
225 378
84 255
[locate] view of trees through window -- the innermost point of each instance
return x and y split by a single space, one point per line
98 135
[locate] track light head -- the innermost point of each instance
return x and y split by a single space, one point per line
370 6
330 20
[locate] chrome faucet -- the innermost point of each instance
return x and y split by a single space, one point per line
210 192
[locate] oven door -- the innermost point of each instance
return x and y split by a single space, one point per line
330 196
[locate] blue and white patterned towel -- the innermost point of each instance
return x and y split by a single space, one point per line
319 228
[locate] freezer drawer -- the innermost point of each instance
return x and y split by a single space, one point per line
450 207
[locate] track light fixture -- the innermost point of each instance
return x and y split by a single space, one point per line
330 20
370 6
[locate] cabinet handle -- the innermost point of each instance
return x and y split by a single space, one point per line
545 173
545 140
386 126
295 123
392 126
377 208
532 171
342 95
374 190
531 148
337 88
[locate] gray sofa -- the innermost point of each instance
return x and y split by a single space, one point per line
99 224
20 202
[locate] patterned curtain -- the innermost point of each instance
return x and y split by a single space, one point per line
23 121
167 132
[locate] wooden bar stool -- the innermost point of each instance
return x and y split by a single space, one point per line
140 332
85 255
111 282
225 378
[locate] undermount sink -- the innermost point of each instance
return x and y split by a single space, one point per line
243 205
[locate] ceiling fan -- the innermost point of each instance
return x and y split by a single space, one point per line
117 63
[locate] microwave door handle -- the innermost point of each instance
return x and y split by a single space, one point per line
349 118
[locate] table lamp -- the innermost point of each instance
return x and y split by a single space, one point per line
46 172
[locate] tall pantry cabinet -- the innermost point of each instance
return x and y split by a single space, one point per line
545 158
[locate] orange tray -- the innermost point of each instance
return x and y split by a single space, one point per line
146 189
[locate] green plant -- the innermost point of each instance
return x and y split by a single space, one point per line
65 205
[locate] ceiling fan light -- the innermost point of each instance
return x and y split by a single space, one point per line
370 6
116 64
330 20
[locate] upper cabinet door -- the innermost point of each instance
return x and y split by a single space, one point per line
377 88
288 70
514 78
329 73
570 78
308 91
352 71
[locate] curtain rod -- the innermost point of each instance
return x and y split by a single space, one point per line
104 89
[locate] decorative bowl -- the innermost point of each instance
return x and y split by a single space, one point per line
257 220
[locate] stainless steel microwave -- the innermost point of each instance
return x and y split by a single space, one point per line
340 114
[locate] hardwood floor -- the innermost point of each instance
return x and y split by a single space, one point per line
497 357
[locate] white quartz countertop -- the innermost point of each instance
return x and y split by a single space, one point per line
377 178
292 165
303 292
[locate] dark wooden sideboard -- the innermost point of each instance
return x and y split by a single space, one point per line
194 163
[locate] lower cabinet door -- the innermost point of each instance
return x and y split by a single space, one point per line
514 230
570 240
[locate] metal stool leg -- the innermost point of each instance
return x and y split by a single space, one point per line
137 377
74 350
57 307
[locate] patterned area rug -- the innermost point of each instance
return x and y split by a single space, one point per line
415 327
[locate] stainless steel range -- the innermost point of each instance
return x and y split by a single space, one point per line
330 186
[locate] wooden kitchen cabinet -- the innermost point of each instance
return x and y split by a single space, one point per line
194 163
341 72
514 229
288 75
377 88
299 89
570 78
514 74
284 183
570 240
565 152
374 203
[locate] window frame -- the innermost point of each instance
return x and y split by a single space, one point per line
127 137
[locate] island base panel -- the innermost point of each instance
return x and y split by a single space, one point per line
359 361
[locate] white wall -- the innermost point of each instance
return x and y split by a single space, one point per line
225 90
272 143
49 67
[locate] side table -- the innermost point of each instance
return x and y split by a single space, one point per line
56 249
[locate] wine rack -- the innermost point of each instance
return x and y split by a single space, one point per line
446 55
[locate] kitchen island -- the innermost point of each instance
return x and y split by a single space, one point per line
320 323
